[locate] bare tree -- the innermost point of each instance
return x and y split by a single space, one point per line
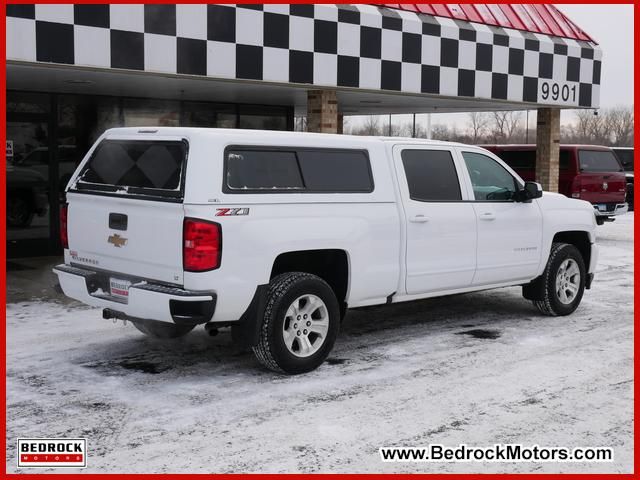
371 126
478 125
505 126
621 123
601 129
592 127
346 124
582 128
609 127
513 124
440 132
498 130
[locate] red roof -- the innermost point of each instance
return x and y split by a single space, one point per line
537 18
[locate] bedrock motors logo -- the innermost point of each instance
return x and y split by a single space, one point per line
52 452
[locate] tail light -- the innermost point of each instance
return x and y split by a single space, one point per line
64 236
576 187
202 245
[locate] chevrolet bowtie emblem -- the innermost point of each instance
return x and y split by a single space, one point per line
117 240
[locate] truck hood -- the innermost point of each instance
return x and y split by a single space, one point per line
558 200
562 213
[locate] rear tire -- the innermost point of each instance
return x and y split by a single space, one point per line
563 281
300 324
162 329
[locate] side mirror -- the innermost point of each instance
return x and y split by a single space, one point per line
532 190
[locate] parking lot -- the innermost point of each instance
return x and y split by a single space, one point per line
479 369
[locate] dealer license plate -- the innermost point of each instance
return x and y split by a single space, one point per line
119 289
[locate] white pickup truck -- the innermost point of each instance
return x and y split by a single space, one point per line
276 234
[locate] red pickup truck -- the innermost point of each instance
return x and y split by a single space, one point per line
589 172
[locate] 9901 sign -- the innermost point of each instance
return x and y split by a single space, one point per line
558 92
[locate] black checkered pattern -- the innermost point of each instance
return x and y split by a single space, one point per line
356 46
136 165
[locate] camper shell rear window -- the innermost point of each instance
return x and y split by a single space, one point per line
153 168
296 170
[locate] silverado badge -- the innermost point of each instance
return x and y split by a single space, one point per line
117 240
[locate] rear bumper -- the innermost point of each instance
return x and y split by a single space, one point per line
146 301
610 210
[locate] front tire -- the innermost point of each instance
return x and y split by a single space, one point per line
162 330
563 281
300 324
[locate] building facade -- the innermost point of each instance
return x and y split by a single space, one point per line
75 70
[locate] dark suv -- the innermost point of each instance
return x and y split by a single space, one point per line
625 155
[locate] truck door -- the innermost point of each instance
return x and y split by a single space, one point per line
440 225
509 232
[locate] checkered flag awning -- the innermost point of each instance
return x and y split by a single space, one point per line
362 47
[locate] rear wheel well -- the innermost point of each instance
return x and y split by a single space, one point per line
578 239
331 265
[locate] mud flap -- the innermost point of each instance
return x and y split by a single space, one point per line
534 290
245 332
589 281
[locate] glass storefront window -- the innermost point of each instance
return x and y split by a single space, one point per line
27 164
108 115
196 114
80 121
25 103
151 113
44 148
263 118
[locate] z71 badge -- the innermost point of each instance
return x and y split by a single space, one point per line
229 212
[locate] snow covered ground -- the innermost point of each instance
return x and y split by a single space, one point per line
407 375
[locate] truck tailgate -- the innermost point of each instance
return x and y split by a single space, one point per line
145 243
125 209
601 177
603 187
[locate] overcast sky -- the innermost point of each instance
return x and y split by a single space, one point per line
611 26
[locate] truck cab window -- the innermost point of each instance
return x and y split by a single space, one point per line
431 175
491 182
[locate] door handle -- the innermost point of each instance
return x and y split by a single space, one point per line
118 221
488 216
419 219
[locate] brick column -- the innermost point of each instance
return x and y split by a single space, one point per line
548 148
322 111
